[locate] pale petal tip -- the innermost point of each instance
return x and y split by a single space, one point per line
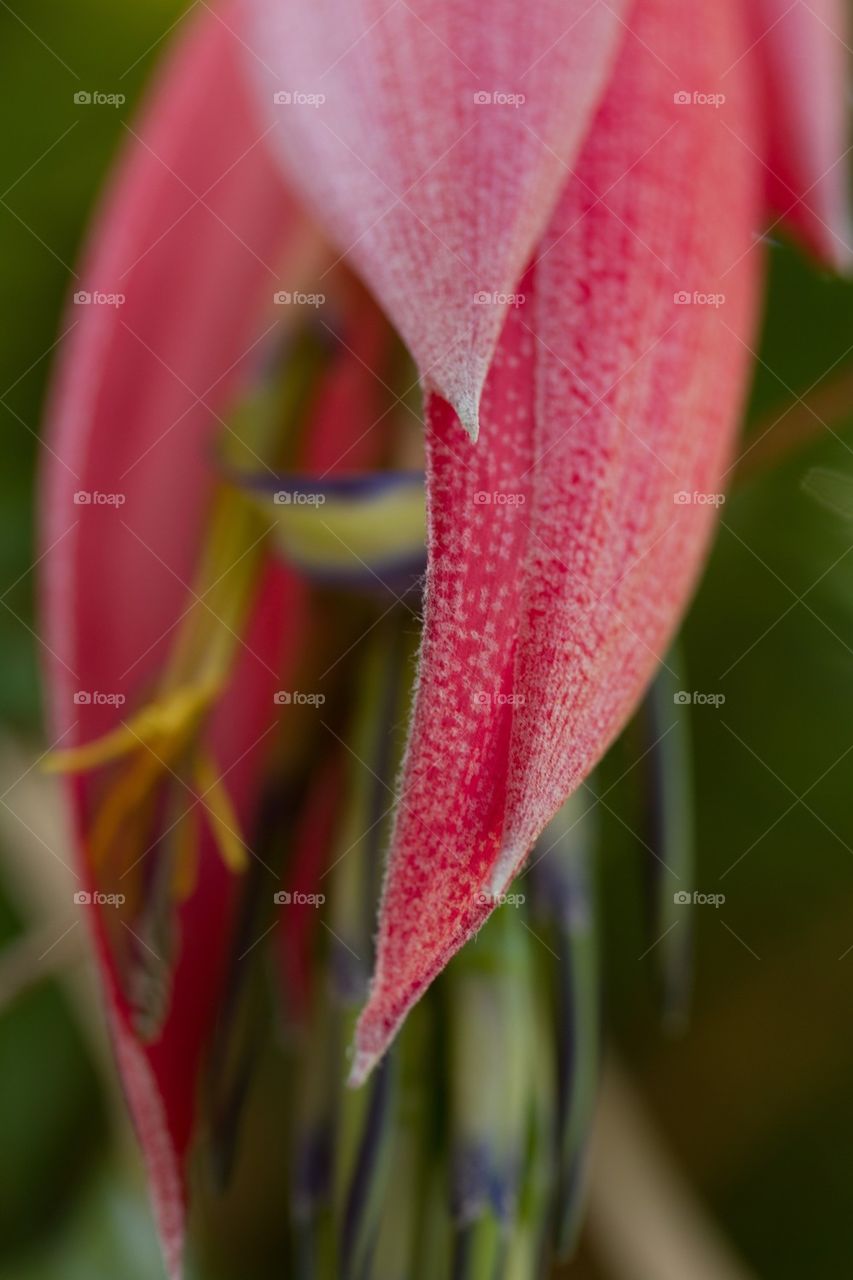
378 1024
173 1255
831 239
362 1065
503 872
825 220
467 408
841 256
463 394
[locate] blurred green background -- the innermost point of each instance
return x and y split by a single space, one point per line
755 1101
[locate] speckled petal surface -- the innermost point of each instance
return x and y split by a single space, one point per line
431 139
565 603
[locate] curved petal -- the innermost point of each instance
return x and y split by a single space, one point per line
188 244
804 51
460 732
431 138
559 611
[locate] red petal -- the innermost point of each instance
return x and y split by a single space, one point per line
450 817
191 235
804 54
567 603
438 197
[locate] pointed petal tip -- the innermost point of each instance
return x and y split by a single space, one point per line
504 871
840 250
464 400
829 241
468 412
468 220
378 1024
362 1067
461 383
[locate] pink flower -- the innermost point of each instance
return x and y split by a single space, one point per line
558 207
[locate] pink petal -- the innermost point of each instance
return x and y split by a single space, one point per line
191 234
804 56
450 817
435 197
565 604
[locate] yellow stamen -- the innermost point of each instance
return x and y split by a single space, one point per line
170 717
185 873
124 799
221 814
161 737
